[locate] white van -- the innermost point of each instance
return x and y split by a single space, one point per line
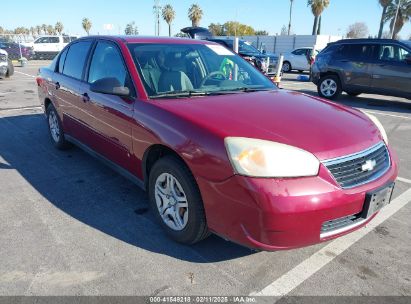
46 47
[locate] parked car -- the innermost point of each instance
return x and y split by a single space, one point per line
6 66
298 60
47 47
245 49
238 157
13 50
252 54
376 66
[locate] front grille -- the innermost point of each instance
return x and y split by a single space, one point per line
360 168
334 226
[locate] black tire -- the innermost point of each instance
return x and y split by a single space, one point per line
287 68
196 228
10 69
354 94
332 80
60 142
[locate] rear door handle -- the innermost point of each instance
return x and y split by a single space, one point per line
86 98
57 84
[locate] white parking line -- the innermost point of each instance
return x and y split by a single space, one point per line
296 276
24 74
404 180
391 115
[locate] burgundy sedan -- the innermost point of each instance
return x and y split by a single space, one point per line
217 146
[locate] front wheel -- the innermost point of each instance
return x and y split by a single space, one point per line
329 87
176 201
286 67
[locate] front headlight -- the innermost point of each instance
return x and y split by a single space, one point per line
378 124
262 158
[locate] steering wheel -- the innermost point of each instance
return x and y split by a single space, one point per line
209 76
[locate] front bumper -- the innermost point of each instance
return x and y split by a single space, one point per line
274 214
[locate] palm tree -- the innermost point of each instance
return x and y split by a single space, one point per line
168 15
403 16
317 8
38 30
195 13
59 27
86 23
50 30
384 4
291 14
44 28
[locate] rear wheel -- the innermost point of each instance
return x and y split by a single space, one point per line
329 87
176 201
55 129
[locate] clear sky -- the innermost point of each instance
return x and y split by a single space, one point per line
269 15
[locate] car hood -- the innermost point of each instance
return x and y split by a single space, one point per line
326 129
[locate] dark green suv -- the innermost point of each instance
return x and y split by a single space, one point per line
375 66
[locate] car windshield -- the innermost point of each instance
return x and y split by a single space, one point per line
195 69
408 43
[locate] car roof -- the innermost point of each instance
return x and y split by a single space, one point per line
365 40
148 39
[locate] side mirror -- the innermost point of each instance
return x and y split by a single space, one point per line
408 59
109 86
264 52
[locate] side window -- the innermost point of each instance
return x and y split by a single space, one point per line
76 58
393 53
42 40
66 39
54 40
357 51
61 61
107 63
299 52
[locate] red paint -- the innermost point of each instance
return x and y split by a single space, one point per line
261 213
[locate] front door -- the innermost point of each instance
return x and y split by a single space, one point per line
110 116
391 74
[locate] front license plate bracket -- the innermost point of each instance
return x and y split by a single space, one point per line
376 200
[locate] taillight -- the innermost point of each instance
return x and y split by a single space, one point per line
39 81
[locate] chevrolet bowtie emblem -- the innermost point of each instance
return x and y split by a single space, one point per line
369 165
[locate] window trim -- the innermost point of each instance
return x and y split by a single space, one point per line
133 91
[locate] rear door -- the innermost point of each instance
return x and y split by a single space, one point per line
391 74
67 81
110 116
354 62
299 59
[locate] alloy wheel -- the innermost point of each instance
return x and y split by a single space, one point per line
328 87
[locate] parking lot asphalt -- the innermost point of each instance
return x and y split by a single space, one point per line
71 226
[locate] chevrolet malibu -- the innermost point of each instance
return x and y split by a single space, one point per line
218 147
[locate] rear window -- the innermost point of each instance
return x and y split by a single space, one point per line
76 58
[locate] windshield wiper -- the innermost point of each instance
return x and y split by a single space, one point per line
247 89
179 94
